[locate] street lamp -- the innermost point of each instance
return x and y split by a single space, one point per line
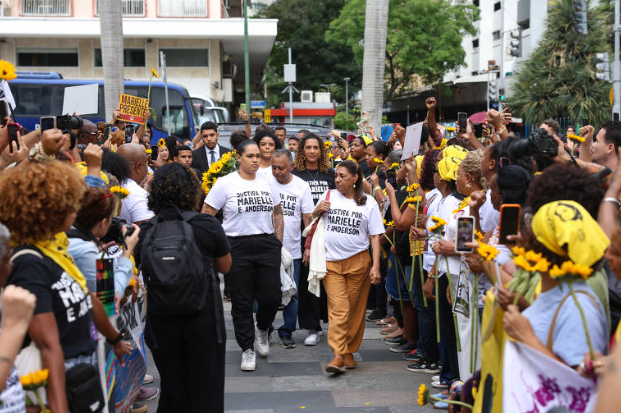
328 85
347 79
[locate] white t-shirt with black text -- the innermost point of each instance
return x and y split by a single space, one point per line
296 199
247 205
135 208
349 225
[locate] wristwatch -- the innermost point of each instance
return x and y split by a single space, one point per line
36 154
116 340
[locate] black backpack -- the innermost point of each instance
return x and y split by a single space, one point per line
173 267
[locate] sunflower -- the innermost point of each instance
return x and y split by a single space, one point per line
378 160
327 144
478 235
450 129
568 268
395 166
119 191
154 73
439 224
7 71
161 143
532 262
488 252
413 187
576 138
413 199
423 395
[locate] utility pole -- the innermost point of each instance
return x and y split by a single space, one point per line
246 55
165 76
290 77
347 79
502 46
616 76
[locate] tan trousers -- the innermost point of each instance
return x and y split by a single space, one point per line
347 286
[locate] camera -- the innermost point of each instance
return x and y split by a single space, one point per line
538 143
65 122
115 232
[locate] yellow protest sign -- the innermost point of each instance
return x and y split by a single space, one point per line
267 116
133 109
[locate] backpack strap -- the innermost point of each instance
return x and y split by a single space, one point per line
26 251
558 310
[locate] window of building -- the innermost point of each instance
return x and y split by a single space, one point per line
524 24
496 35
130 8
496 6
475 44
182 8
475 2
45 7
186 57
42 57
131 58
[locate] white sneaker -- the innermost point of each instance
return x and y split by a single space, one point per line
435 378
312 339
249 361
261 342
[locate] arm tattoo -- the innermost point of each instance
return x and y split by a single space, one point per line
209 210
278 221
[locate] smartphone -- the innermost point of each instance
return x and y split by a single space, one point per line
47 122
344 135
5 112
487 129
585 122
465 233
106 133
13 131
154 152
462 121
242 106
509 222
129 133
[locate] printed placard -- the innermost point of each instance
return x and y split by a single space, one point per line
462 296
105 284
133 109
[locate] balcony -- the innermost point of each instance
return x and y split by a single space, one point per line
131 8
45 8
182 8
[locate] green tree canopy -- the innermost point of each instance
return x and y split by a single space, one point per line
424 39
558 79
301 26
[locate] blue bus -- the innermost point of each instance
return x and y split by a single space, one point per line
41 94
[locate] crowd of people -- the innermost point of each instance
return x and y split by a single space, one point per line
343 230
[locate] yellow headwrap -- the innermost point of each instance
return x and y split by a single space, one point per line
568 230
57 251
448 167
419 165
442 144
454 151
367 140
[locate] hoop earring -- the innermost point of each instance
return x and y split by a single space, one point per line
303 157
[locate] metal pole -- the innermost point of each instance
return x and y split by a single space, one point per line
487 93
163 62
346 102
616 85
501 84
246 55
290 94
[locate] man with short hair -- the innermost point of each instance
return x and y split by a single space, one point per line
135 209
184 156
551 126
606 143
294 142
302 133
281 133
297 205
87 133
212 152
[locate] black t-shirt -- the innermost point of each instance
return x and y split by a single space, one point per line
318 181
365 168
60 294
209 237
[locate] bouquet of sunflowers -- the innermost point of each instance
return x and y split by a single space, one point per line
224 166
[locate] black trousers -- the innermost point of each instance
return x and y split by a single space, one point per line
447 328
428 318
311 309
190 362
254 275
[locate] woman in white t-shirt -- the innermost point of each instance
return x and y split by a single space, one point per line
352 218
268 143
253 223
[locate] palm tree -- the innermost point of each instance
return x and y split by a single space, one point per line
111 23
374 60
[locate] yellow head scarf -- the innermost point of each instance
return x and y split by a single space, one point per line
568 230
57 251
442 144
454 151
448 167
367 140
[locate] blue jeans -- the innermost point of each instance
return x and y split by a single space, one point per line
290 312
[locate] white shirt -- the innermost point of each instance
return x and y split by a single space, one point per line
216 154
488 216
348 226
445 210
135 207
247 205
433 199
266 171
296 199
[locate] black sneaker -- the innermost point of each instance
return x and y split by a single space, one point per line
403 348
377 314
397 341
287 342
423 366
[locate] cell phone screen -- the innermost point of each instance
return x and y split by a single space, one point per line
129 133
462 121
13 130
4 112
48 122
509 222
106 133
465 233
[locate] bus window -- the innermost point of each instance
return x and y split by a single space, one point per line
34 100
179 121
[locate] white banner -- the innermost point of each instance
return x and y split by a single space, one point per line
534 382
5 93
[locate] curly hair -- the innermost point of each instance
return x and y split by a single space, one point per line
176 185
472 165
427 169
41 196
269 134
97 205
566 182
324 160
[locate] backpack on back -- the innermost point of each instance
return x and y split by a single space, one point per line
173 267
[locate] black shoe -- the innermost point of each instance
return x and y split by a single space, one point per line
423 366
397 341
377 314
287 342
403 348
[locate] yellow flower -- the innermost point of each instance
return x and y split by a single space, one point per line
450 129
394 166
568 268
119 191
412 187
488 252
161 143
413 199
390 224
154 73
7 71
377 160
439 224
478 235
423 395
327 144
26 380
330 156
349 158
531 261
518 251
576 138
148 151
462 204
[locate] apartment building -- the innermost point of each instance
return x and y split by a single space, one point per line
203 41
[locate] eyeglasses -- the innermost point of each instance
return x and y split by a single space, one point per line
89 133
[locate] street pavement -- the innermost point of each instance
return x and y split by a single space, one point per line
293 380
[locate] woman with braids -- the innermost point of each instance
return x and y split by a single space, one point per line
185 347
312 164
352 222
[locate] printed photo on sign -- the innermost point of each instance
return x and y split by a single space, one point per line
462 297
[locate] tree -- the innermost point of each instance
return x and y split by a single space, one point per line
375 32
111 24
558 79
301 26
423 42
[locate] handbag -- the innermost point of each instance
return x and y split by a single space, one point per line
84 393
313 227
